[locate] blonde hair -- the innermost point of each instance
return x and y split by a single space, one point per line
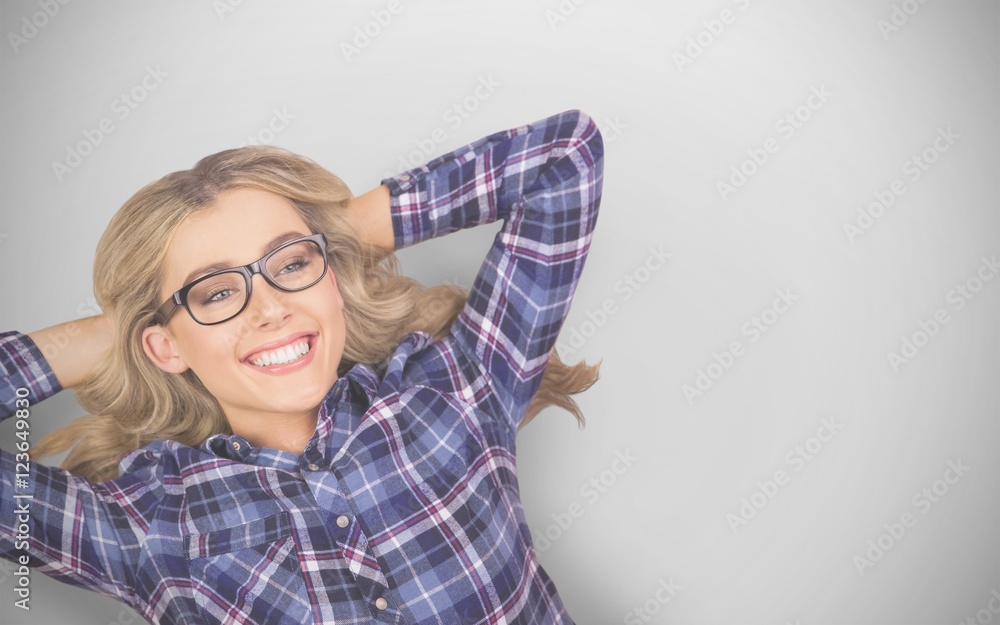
132 402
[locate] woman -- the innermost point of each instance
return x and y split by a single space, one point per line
327 442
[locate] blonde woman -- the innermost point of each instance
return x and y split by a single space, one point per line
284 429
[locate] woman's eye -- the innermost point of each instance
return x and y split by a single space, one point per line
215 298
295 265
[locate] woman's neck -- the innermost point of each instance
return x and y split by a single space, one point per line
287 432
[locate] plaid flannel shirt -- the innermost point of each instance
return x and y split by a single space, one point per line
404 506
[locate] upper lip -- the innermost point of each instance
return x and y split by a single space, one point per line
288 340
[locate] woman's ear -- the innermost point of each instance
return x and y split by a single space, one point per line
162 350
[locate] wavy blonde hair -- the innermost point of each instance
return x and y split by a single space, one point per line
132 402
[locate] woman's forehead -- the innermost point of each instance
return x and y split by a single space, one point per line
234 230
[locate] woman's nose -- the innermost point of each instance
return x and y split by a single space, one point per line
267 303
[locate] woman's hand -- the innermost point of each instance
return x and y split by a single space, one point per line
73 349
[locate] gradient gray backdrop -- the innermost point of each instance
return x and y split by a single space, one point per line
675 271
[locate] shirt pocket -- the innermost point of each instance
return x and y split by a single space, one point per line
249 573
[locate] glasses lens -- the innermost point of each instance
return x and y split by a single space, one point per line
217 298
297 266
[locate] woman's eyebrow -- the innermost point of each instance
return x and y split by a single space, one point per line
281 238
226 264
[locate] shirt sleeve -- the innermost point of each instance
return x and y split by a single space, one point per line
23 366
80 532
544 180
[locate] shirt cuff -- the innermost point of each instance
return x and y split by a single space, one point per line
410 224
23 365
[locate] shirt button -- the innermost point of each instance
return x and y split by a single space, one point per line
381 603
343 521
404 178
236 446
313 467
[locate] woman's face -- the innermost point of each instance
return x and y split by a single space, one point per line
235 231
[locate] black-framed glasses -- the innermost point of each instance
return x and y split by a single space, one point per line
218 297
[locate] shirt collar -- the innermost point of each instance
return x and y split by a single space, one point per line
361 381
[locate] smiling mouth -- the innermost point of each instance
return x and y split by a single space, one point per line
283 355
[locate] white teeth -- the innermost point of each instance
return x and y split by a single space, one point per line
282 355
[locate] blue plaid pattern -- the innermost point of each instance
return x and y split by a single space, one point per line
404 506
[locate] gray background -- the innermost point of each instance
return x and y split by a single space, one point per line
672 132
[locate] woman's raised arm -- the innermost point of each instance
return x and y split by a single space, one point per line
544 180
370 215
74 348
83 533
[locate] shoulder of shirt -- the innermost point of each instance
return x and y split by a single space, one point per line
390 375
150 456
443 366
163 460
419 361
